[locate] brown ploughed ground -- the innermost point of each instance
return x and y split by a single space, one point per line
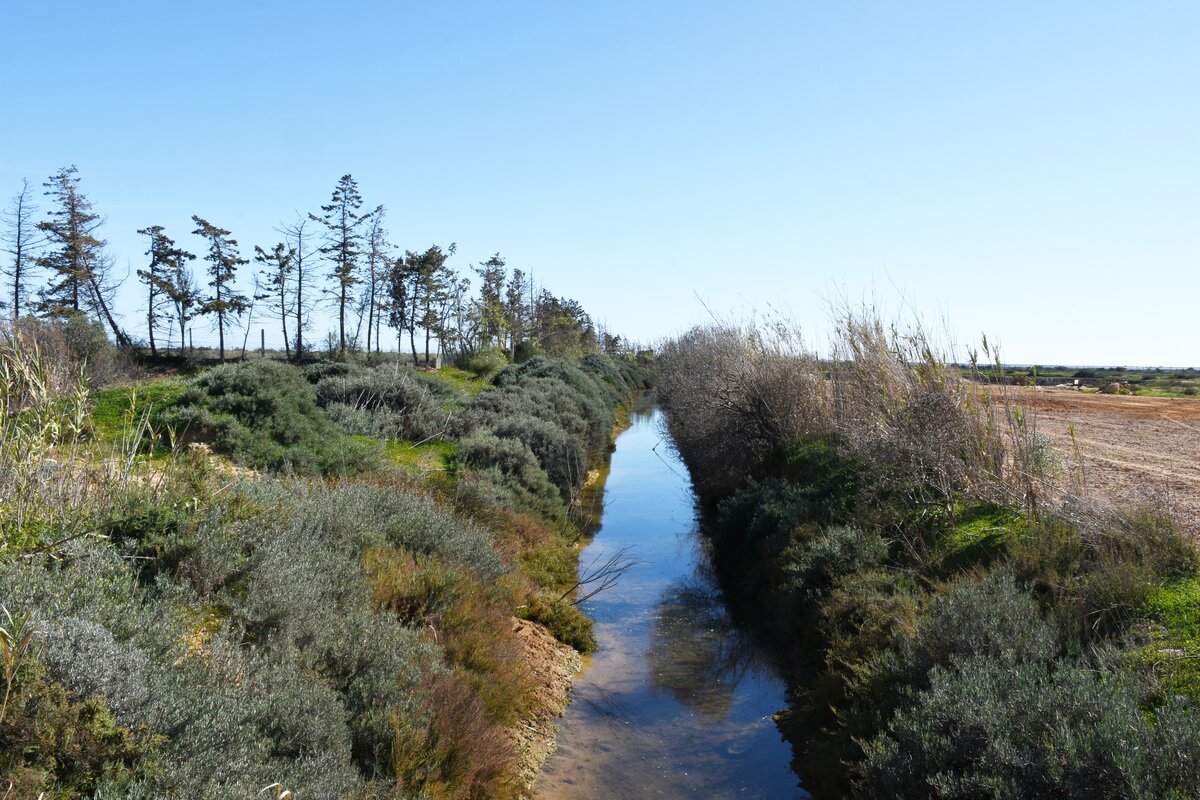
1134 449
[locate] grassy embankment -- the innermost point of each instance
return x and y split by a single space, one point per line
324 604
957 624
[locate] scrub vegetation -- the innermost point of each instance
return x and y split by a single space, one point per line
267 575
958 622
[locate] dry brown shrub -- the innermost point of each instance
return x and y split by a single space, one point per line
892 394
458 751
734 393
469 619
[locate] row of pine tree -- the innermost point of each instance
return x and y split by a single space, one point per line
341 259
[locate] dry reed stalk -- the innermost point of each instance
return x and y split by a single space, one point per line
56 484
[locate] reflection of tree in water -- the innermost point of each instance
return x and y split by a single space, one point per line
644 406
696 653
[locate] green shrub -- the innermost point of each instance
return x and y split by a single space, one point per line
812 564
315 373
486 363
1100 570
57 743
988 615
548 399
249 656
265 416
556 451
387 402
754 526
512 469
987 728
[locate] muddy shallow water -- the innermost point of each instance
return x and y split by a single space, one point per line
676 702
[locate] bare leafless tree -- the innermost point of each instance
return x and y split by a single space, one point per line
375 290
299 236
20 239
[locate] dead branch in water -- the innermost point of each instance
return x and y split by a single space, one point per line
600 576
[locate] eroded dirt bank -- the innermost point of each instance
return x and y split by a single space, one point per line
553 666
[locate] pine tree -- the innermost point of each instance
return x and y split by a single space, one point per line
162 277
421 286
21 240
490 308
80 270
343 246
223 259
180 288
278 266
517 314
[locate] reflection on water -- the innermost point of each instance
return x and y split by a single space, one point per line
676 702
695 653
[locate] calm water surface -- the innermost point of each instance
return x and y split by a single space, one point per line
676 702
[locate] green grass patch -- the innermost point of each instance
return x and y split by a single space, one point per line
1174 653
463 382
1177 606
116 409
977 536
412 457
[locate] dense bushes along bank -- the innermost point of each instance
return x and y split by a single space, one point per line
332 622
957 624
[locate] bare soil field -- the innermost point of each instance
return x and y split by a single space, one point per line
1134 449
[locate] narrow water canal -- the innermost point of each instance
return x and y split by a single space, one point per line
676 702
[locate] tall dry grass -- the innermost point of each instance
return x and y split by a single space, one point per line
56 483
894 395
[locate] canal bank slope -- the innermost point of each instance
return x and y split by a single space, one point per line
955 623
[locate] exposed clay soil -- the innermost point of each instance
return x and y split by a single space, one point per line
1134 449
554 666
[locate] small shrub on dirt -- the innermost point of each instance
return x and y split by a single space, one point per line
563 619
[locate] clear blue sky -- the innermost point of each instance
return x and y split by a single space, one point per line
1029 170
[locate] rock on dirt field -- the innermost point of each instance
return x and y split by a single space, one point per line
1135 449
